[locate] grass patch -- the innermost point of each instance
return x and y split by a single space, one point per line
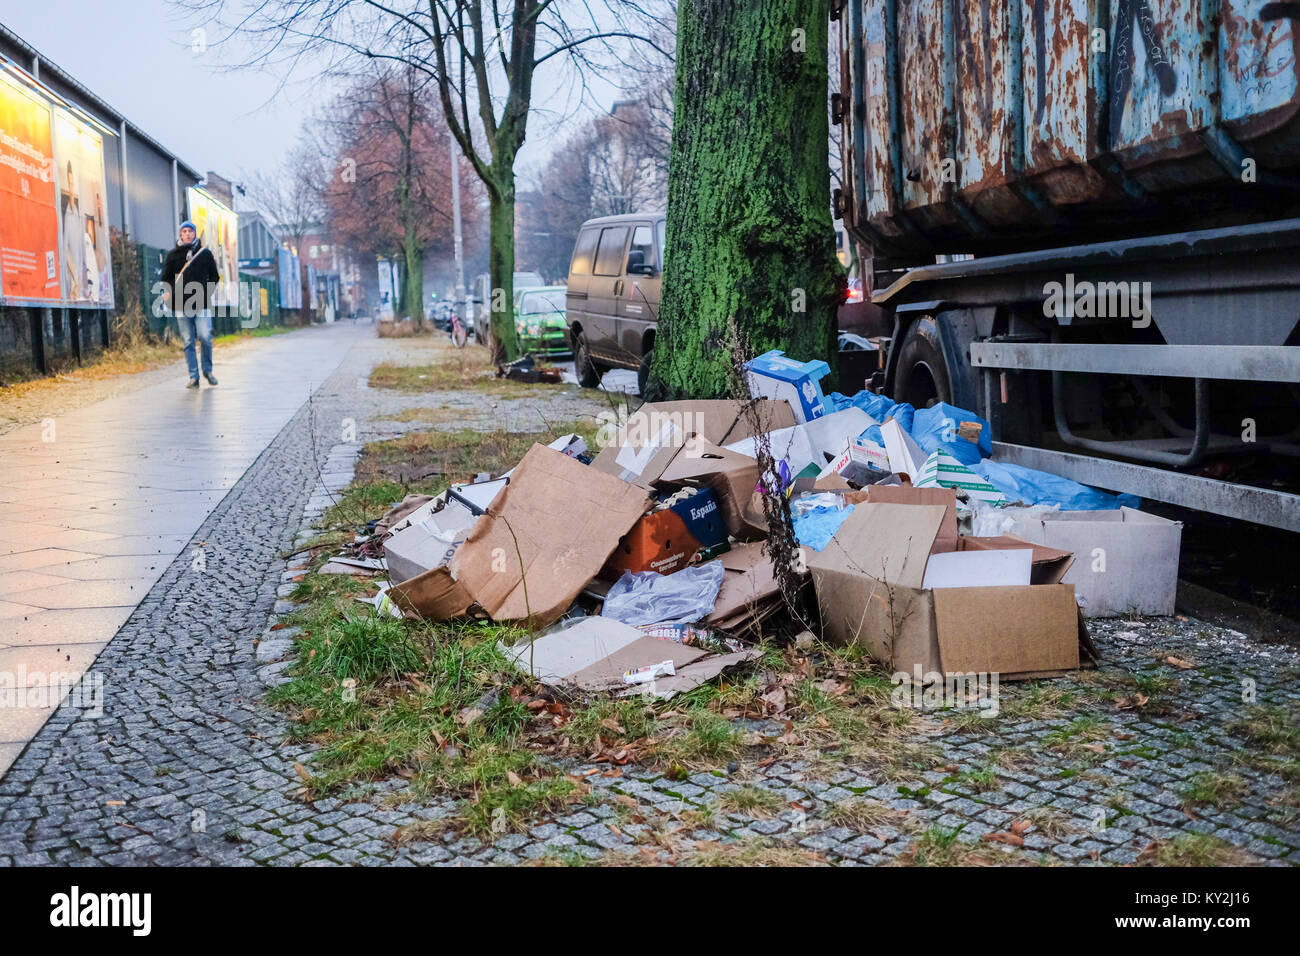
442 413
752 801
1197 849
865 816
1213 788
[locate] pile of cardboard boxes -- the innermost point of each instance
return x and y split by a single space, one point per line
681 484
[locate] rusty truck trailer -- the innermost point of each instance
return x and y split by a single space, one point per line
1083 221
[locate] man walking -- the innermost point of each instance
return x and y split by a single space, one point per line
190 279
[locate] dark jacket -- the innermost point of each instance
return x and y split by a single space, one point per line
193 290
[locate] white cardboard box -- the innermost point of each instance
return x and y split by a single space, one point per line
1125 561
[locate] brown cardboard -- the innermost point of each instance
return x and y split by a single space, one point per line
718 421
868 582
1008 630
563 519
1049 564
434 595
607 673
946 538
731 475
748 582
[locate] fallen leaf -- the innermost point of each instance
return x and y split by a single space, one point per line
115 803
1179 662
514 778
1095 748
774 700
301 771
609 723
1010 839
1019 827
1131 703
536 704
468 715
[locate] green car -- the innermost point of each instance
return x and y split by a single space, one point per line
540 320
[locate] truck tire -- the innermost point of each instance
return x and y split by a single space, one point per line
584 366
643 372
922 377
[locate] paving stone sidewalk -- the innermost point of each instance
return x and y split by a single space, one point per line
187 765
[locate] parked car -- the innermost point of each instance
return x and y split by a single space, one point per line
481 304
540 321
613 294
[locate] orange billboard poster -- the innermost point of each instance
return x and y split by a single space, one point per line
29 222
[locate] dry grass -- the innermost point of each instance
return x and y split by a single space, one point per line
424 414
866 816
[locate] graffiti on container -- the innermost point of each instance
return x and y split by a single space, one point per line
1263 50
1121 80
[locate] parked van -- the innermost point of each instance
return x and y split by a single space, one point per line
481 299
613 294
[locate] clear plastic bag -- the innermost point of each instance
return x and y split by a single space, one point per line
648 597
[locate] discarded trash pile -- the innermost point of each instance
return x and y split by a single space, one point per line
649 567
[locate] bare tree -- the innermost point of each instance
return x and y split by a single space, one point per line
482 54
291 196
390 189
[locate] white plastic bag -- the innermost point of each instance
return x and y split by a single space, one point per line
648 597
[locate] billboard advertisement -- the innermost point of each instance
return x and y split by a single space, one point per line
86 273
290 278
29 219
218 226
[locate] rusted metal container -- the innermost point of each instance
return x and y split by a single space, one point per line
986 126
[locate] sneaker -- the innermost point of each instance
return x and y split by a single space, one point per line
194 383
212 379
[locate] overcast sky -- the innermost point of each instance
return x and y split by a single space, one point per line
137 56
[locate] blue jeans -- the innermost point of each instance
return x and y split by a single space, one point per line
201 326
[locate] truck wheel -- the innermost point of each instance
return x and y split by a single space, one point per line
643 372
586 370
922 377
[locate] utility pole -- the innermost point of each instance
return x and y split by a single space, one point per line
455 218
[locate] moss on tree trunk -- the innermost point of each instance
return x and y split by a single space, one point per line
749 219
501 266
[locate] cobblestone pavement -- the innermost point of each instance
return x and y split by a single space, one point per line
187 765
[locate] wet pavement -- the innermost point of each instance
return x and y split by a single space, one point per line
97 502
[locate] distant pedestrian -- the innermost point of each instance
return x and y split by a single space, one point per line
190 278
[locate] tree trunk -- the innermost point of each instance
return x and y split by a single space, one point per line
749 217
413 293
501 266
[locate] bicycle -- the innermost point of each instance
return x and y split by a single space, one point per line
459 335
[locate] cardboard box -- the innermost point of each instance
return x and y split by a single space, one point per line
546 535
812 443
593 653
906 459
656 432
732 477
418 558
942 470
870 590
773 375
749 592
428 543
946 538
1126 560
671 538
861 462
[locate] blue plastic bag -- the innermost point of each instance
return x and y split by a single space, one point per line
816 527
1034 487
940 425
